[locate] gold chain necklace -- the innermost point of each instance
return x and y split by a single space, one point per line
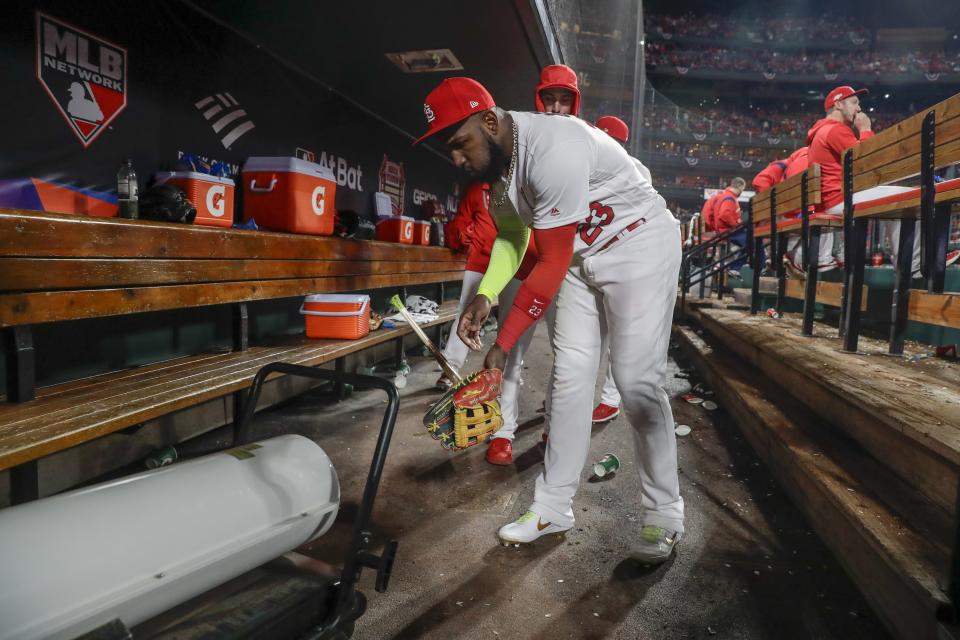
513 162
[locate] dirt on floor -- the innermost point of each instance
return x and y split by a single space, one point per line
749 565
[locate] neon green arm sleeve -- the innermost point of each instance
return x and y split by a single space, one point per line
505 257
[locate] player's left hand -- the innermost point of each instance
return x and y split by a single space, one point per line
471 320
496 358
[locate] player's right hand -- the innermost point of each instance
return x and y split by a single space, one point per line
471 321
862 122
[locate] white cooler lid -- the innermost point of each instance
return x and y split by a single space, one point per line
163 176
289 165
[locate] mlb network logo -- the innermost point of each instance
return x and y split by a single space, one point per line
84 75
233 122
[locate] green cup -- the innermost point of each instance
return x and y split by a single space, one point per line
161 458
608 464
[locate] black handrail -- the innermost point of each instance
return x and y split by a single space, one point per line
702 272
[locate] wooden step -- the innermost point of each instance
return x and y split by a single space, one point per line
891 540
905 414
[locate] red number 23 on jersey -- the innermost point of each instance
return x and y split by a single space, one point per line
589 229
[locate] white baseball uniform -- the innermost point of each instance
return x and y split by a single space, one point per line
609 395
625 269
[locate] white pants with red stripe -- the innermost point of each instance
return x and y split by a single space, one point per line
633 286
456 350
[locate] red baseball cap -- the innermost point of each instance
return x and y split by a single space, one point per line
840 93
614 127
455 99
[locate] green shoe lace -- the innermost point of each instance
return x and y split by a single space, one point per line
527 517
652 534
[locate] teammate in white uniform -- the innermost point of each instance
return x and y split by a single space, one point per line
608 244
609 406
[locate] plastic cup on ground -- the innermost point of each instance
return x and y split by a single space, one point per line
607 465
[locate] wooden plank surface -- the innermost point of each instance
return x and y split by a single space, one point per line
891 542
54 306
901 168
906 208
830 293
27 274
906 418
944 111
38 234
909 148
792 225
68 415
941 309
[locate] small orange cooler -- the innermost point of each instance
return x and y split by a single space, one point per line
421 232
289 194
334 315
396 229
211 195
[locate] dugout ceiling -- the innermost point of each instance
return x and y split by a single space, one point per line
498 42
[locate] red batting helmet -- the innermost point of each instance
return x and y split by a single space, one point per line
558 76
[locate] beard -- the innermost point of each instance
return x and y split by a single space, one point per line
497 161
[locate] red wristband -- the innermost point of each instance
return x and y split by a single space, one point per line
528 307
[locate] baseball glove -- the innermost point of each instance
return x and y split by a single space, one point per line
468 413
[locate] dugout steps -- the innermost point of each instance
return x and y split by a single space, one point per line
868 446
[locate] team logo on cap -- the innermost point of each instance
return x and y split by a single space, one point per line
427 111
474 104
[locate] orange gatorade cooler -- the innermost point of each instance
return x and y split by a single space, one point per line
339 316
211 195
421 232
396 229
289 194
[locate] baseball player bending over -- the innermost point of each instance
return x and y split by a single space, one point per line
607 246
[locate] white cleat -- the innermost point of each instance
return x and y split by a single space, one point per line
528 528
656 544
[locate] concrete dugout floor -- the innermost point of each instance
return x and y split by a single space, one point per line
748 566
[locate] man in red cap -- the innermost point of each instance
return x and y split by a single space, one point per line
558 91
844 125
607 248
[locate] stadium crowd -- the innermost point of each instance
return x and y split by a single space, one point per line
786 62
757 123
788 29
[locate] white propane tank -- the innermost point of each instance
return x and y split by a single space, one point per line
135 547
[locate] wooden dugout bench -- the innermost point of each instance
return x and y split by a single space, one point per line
61 268
919 145
786 209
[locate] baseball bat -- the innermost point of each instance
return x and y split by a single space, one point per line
432 348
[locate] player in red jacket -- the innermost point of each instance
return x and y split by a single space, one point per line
844 125
772 174
472 230
707 211
797 162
